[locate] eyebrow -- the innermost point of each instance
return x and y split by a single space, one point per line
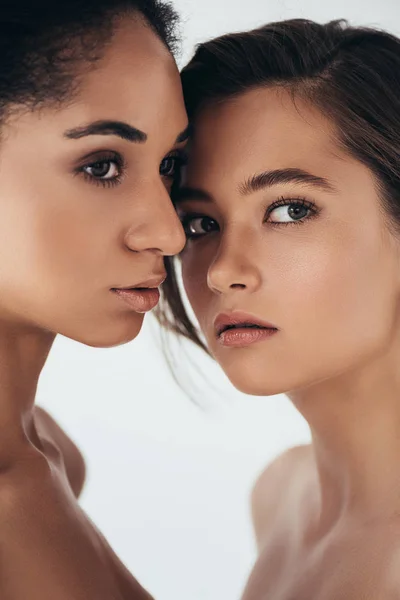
278 176
118 128
262 181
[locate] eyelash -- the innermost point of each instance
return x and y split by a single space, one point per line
179 157
108 157
311 206
282 201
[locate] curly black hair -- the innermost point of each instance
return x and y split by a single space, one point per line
44 43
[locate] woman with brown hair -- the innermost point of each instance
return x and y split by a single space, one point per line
291 207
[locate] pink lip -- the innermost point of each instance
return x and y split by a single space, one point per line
245 335
141 297
153 282
140 300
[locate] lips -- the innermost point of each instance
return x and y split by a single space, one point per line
239 320
142 297
154 282
241 330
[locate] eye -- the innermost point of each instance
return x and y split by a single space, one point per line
102 169
287 211
196 226
171 165
106 169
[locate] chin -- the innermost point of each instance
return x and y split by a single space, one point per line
256 387
255 379
107 335
262 382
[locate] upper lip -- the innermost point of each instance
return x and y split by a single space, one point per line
154 282
224 321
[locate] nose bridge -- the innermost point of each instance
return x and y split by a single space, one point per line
155 225
235 262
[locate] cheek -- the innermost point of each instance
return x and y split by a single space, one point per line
67 244
50 239
339 301
195 266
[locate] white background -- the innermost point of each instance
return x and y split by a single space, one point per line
169 481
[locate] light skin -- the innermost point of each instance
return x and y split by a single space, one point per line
84 209
310 250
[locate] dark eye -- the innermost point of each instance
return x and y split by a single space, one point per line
168 166
198 225
171 165
103 169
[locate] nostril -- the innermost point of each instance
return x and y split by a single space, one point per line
237 285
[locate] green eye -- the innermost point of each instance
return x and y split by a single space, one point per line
291 211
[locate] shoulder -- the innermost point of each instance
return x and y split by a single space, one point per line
49 431
277 486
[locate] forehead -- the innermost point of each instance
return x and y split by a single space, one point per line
263 128
136 80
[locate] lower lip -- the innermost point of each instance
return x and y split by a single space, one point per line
244 336
141 301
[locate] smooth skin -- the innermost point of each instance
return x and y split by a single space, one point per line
313 255
79 215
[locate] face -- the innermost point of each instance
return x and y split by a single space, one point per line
286 232
84 196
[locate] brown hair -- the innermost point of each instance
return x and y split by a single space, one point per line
352 74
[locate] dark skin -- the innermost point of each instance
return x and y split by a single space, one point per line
62 448
73 226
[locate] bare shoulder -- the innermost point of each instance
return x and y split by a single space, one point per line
74 463
278 485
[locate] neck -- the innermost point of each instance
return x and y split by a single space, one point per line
355 427
23 353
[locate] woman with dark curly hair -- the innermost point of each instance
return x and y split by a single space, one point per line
291 207
93 126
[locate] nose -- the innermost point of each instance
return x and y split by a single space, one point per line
234 268
156 225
